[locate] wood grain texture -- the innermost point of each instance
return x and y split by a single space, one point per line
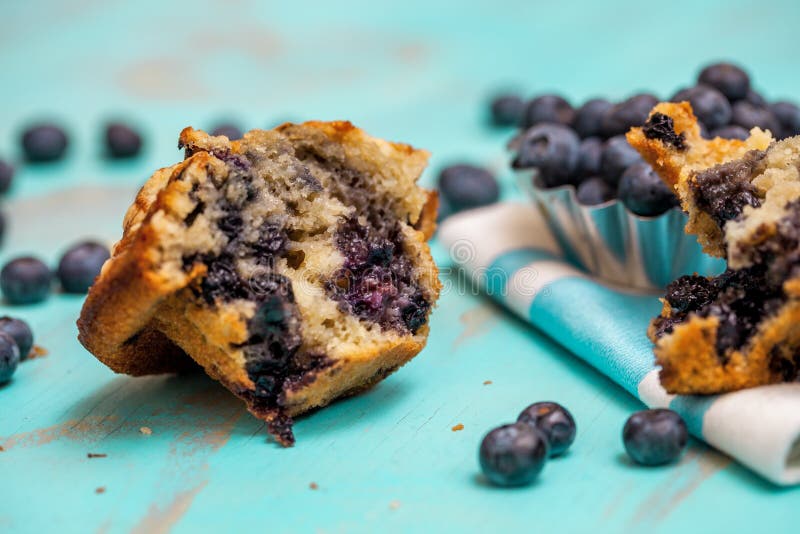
388 459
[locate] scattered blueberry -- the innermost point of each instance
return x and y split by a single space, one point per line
643 192
755 98
593 191
590 157
513 455
507 110
655 437
731 132
20 332
728 79
589 117
44 142
788 115
25 280
551 148
634 111
6 176
548 108
122 141
231 131
80 265
555 422
9 357
708 104
467 186
618 155
747 116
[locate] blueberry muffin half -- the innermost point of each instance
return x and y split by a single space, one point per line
742 328
292 265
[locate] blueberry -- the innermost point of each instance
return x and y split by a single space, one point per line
708 104
682 95
6 176
44 142
747 116
9 357
548 108
25 280
80 265
122 141
589 117
643 192
590 157
555 422
655 437
788 114
594 190
513 455
466 186
728 79
620 118
20 332
551 148
231 131
507 110
755 98
731 132
618 155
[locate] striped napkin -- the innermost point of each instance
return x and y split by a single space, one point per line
507 249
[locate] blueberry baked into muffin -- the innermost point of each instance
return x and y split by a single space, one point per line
292 265
742 328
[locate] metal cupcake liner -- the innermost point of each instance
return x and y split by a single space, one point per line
610 242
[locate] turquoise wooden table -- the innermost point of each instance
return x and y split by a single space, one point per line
412 71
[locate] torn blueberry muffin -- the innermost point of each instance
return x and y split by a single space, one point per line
742 328
292 265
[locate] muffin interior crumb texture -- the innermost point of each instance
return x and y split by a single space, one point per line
307 243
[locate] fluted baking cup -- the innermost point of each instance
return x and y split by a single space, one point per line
610 242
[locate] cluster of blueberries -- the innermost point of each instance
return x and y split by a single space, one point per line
47 141
16 342
515 454
27 280
586 147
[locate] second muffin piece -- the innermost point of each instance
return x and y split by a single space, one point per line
742 328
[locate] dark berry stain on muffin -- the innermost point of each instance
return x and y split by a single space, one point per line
784 364
724 190
662 128
377 281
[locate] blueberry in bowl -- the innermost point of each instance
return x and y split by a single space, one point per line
604 205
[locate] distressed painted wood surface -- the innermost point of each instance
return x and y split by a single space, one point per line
388 459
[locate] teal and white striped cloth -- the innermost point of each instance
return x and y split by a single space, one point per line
507 249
